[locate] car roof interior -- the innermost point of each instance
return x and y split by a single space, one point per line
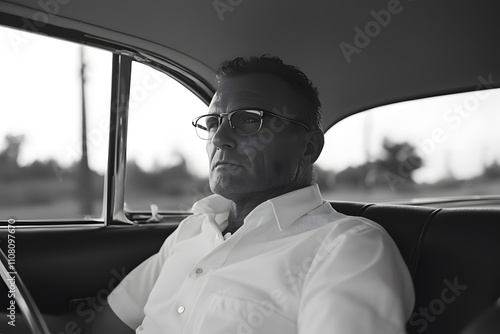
420 48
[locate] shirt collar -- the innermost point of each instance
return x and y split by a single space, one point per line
283 210
287 208
215 206
212 204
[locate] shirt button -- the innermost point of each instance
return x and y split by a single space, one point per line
199 271
180 310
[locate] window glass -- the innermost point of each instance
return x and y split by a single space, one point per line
166 161
43 172
445 146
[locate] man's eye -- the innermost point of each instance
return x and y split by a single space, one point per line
247 118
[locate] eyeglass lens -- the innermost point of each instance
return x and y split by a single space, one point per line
244 122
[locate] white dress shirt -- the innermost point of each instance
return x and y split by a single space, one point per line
295 266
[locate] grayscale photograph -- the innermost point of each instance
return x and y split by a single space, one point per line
249 167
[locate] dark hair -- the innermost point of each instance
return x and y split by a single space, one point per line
275 66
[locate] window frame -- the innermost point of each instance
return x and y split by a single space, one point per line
114 180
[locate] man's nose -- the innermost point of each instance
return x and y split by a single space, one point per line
224 136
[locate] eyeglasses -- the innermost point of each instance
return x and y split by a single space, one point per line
244 122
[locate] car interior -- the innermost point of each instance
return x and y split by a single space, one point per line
360 54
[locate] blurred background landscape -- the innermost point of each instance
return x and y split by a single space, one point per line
54 133
46 189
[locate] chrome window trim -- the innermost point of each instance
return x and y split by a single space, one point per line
114 189
123 55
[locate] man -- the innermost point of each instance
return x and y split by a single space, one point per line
266 254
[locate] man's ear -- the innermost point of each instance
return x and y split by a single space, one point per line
314 142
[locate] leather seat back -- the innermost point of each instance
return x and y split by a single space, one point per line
453 256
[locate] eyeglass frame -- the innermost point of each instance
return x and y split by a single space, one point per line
261 112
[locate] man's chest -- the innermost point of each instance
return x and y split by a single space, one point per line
206 279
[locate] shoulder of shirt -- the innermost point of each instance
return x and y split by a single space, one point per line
333 219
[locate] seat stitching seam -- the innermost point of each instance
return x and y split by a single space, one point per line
418 247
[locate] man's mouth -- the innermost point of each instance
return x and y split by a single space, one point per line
224 163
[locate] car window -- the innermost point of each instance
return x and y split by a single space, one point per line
44 173
443 146
166 161
435 147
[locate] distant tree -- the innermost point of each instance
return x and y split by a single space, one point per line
9 167
10 154
492 171
353 175
397 163
401 160
168 180
38 170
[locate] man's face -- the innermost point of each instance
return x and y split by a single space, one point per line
266 161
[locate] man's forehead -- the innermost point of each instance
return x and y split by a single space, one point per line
253 90
223 97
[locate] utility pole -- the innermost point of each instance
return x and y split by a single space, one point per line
85 178
369 176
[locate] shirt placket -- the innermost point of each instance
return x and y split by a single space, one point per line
193 287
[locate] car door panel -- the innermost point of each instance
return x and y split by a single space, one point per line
64 266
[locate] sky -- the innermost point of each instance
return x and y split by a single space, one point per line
40 99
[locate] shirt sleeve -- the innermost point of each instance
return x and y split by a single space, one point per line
128 299
358 283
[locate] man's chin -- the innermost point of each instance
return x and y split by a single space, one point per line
229 190
235 190
223 182
238 192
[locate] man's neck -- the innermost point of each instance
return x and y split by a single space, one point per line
242 206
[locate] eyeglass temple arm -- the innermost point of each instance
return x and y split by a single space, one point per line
288 119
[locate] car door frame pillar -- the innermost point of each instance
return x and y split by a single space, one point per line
114 193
